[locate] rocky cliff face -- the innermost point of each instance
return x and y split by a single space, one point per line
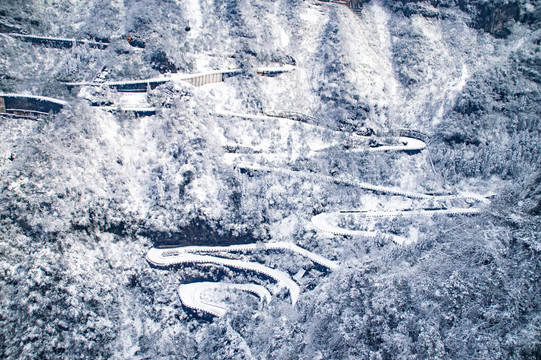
494 17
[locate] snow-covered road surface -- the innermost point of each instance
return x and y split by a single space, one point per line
168 257
186 255
324 221
317 138
282 245
196 79
191 295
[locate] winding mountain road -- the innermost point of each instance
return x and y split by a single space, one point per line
191 295
323 140
360 184
186 255
162 257
157 255
196 79
324 220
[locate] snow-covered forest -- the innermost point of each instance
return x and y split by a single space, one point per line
402 144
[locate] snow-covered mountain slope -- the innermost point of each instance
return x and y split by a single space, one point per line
85 195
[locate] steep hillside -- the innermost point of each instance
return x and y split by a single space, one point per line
86 193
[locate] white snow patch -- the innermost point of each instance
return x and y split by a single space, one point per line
193 12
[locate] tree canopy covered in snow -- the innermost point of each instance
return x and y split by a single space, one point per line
86 193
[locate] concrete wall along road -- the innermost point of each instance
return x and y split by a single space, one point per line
205 79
